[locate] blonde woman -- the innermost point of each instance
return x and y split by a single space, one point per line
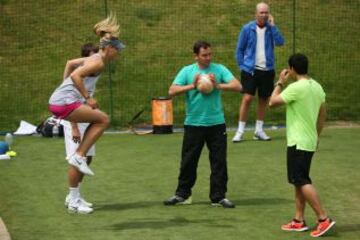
74 132
71 101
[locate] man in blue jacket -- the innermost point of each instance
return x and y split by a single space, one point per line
256 60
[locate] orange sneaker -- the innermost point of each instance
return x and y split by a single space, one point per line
322 228
295 225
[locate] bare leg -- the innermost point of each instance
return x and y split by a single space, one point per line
74 177
91 135
312 198
89 160
299 204
98 120
244 107
261 108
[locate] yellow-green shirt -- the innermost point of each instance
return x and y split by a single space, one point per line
303 99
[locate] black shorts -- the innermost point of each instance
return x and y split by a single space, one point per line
262 81
298 166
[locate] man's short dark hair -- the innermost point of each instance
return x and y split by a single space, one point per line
87 48
299 62
200 44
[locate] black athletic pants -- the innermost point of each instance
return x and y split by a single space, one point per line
216 141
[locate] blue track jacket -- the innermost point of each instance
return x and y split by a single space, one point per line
246 46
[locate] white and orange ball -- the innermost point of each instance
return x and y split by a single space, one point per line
204 84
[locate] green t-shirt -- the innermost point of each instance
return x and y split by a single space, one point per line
303 99
201 109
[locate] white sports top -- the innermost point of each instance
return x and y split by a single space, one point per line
67 93
260 59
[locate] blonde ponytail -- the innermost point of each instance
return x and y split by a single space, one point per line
108 28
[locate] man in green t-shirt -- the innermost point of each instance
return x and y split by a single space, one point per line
204 123
305 117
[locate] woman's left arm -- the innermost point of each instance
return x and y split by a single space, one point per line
71 65
90 67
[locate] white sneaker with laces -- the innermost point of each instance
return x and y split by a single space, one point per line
238 137
80 163
77 206
226 203
261 135
86 203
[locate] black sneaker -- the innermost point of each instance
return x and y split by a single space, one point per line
175 200
226 203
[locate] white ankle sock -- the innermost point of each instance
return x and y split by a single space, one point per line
74 192
259 126
241 127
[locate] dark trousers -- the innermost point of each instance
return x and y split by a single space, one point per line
195 137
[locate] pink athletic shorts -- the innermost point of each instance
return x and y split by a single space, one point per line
63 111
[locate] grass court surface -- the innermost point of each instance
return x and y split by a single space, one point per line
134 174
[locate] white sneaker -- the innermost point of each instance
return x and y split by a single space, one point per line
77 206
80 164
238 137
261 135
86 203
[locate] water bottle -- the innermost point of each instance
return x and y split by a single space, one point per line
9 139
55 130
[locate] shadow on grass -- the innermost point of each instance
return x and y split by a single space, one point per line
355 227
338 229
161 224
249 139
254 201
277 138
126 206
262 201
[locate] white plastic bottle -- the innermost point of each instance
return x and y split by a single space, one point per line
9 139
55 130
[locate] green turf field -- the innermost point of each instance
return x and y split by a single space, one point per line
135 173
38 37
